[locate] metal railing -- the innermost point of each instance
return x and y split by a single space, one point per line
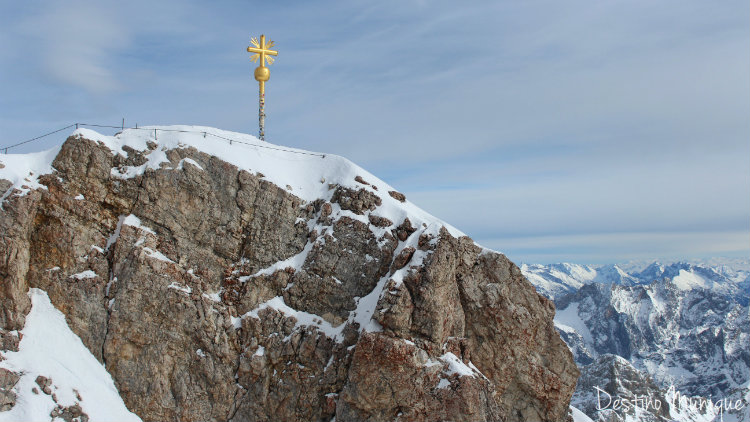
156 134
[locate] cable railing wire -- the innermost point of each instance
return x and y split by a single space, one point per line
37 138
122 127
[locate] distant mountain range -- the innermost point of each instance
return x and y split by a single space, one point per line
731 277
643 330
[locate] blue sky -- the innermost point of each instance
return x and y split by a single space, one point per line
578 131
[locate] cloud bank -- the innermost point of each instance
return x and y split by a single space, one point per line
544 129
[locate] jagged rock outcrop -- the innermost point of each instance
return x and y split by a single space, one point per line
8 380
212 293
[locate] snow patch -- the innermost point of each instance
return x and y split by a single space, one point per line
134 221
456 366
177 286
182 162
568 319
156 255
579 416
444 383
23 171
686 280
49 348
295 262
214 297
116 235
84 275
303 318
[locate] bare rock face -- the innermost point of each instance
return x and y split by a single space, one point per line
469 300
16 222
393 379
357 201
8 380
210 293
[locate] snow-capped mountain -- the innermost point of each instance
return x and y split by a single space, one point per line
205 275
556 280
683 325
723 279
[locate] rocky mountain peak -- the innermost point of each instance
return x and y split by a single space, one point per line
220 279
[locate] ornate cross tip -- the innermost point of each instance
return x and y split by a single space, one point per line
262 51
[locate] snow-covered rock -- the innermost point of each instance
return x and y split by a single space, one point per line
217 277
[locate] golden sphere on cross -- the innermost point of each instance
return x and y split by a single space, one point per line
262 74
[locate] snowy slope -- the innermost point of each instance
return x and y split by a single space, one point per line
23 170
303 173
50 349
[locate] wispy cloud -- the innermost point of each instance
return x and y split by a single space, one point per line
76 42
511 120
607 248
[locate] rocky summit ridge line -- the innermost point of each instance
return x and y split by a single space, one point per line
230 282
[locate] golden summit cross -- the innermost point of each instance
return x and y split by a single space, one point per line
262 74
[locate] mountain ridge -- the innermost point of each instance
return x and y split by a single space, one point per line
554 280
